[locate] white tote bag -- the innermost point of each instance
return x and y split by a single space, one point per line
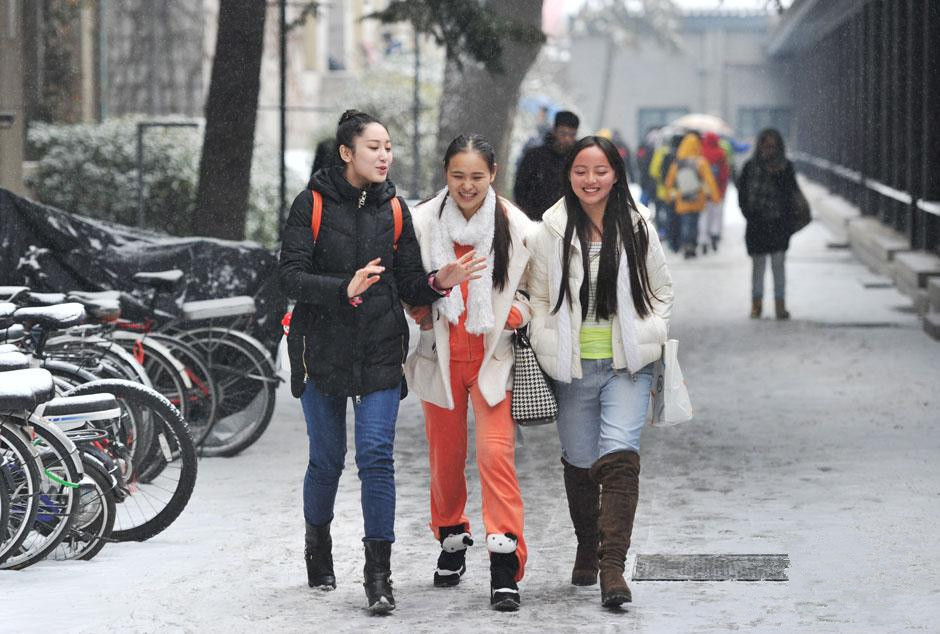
670 403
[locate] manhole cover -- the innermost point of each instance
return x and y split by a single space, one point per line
711 567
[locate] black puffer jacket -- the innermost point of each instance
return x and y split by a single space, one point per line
349 350
539 179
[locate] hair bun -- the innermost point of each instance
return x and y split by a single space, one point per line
350 115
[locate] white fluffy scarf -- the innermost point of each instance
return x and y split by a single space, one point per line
478 233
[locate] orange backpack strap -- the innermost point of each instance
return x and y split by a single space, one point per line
398 218
317 214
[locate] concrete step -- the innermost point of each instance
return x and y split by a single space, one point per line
910 271
875 244
932 324
834 212
933 293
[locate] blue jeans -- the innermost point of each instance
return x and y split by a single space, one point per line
602 412
757 274
689 229
375 436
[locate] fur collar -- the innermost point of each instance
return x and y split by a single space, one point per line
477 233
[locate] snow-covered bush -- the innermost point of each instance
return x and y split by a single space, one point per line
91 169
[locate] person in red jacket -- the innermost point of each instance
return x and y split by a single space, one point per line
464 357
709 227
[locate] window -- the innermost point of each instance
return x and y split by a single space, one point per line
753 120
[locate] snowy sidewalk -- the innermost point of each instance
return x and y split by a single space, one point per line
816 438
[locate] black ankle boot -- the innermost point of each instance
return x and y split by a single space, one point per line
452 562
377 573
318 555
504 565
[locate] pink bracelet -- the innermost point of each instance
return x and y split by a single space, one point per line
355 301
432 282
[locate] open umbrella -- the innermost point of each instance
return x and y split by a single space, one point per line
703 123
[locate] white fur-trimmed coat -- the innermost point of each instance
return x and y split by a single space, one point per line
636 342
427 369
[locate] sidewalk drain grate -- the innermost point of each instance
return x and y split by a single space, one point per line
711 568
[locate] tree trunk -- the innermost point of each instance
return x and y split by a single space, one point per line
475 101
231 109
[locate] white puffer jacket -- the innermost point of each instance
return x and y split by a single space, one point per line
427 369
556 338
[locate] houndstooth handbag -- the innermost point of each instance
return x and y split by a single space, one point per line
533 401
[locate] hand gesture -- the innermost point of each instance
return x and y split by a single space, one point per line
456 272
364 278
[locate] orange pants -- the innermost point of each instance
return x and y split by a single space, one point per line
496 459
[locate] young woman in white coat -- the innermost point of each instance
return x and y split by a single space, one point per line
600 298
464 357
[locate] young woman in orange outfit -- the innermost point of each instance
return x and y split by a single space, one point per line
464 357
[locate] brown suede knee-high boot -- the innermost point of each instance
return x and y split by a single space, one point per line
583 497
618 474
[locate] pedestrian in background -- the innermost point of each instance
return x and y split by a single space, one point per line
767 189
349 336
538 178
709 228
690 184
464 357
667 222
644 156
601 296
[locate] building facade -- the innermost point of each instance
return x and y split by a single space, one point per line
719 67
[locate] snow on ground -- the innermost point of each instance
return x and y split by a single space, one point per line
816 438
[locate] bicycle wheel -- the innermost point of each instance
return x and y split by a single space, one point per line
165 372
59 478
19 470
246 387
151 506
202 397
94 517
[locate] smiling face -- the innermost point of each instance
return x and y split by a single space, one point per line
468 179
370 157
592 177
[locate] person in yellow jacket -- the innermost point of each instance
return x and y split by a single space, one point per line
689 183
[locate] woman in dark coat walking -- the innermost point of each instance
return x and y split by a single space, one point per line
348 337
767 191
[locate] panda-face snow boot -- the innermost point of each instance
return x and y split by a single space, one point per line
452 562
318 555
504 565
378 573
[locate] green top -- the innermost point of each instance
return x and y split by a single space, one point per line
596 334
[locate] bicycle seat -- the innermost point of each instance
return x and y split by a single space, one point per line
25 389
80 409
223 307
44 299
11 293
84 330
100 308
11 334
13 361
53 317
8 347
7 309
159 280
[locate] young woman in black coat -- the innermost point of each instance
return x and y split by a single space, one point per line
349 338
767 190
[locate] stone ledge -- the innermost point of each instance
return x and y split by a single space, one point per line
835 214
932 325
910 271
933 293
875 244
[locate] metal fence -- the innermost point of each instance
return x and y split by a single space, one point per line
867 113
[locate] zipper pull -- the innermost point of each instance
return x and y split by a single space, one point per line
358 399
362 199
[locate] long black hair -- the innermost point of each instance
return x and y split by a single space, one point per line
502 242
618 232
